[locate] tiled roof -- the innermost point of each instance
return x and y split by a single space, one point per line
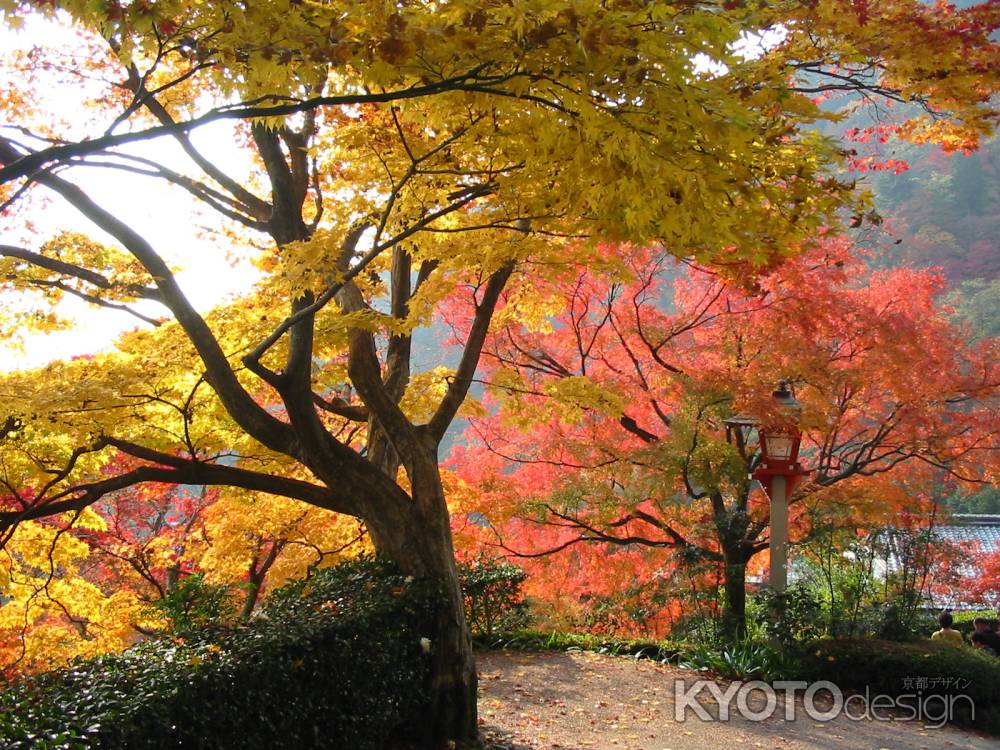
988 537
978 528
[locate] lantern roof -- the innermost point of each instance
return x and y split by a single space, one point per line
785 397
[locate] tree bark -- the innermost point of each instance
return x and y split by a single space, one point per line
421 545
734 613
415 530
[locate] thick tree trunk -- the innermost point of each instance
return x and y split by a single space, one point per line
421 545
454 683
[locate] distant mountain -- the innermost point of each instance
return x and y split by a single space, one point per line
944 211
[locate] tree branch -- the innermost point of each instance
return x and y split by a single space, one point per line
458 388
180 471
18 165
246 412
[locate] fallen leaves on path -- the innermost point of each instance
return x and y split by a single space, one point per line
582 701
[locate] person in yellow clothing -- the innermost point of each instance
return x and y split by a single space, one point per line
946 634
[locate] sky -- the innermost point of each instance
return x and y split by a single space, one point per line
161 214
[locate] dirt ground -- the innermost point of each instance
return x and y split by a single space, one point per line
584 701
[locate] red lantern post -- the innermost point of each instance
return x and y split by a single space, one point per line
778 473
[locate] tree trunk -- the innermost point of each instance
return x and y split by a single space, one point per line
421 545
453 682
734 613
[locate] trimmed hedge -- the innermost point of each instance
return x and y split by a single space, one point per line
494 601
926 668
334 662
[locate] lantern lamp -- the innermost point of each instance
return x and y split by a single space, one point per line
779 444
778 473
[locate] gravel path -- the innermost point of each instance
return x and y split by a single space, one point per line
585 701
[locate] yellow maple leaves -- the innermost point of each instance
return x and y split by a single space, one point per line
239 530
561 105
51 612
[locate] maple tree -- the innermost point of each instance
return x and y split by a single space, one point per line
259 543
606 415
87 586
905 566
404 155
53 609
982 586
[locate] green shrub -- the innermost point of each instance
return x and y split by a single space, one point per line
927 667
700 626
898 619
494 601
742 660
336 661
791 616
194 604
